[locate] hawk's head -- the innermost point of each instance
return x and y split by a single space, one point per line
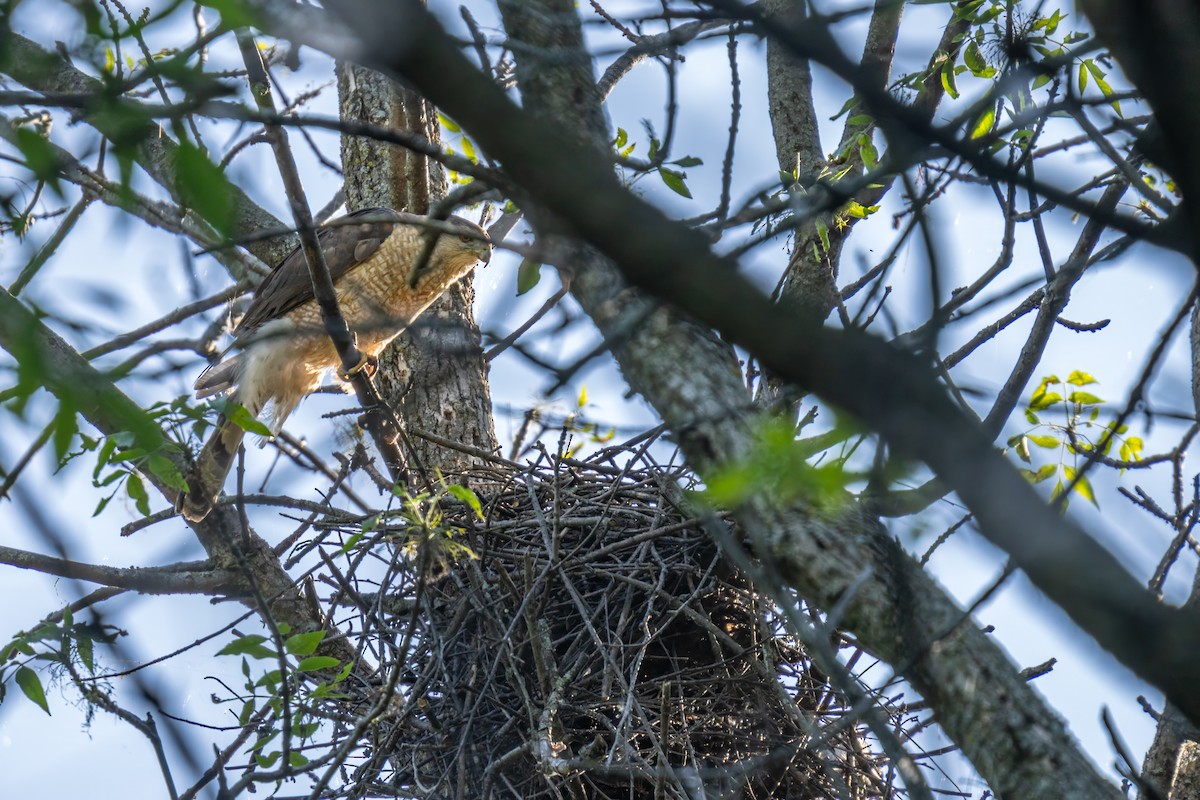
461 245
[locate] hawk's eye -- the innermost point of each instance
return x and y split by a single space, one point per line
464 238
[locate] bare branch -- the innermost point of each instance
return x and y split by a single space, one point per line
184 578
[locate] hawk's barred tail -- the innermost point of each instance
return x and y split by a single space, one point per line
207 476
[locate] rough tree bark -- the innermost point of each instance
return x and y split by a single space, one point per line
811 276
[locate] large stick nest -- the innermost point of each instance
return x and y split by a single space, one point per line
599 644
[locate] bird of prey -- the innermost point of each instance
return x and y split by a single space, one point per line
284 348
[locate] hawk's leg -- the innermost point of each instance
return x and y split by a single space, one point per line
366 363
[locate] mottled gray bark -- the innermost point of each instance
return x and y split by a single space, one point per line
1171 768
434 375
811 273
790 100
1186 782
810 280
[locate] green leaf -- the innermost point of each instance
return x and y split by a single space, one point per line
266 761
40 155
203 187
528 275
238 415
973 58
165 470
469 150
1084 398
314 663
983 125
31 685
1023 449
687 161
849 104
860 120
1044 400
621 139
448 123
948 80
297 760
1044 473
305 729
1080 378
674 180
247 712
1098 74
137 492
132 454
822 232
102 505
270 680
249 645
1083 76
234 13
867 151
1083 486
1039 82
859 211
1049 442
65 427
466 495
1050 23
104 456
83 648
1135 445
303 644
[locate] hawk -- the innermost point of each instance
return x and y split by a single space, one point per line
284 348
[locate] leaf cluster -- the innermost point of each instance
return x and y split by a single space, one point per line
1080 435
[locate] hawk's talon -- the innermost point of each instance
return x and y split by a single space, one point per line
366 363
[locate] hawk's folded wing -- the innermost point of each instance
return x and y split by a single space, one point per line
345 245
